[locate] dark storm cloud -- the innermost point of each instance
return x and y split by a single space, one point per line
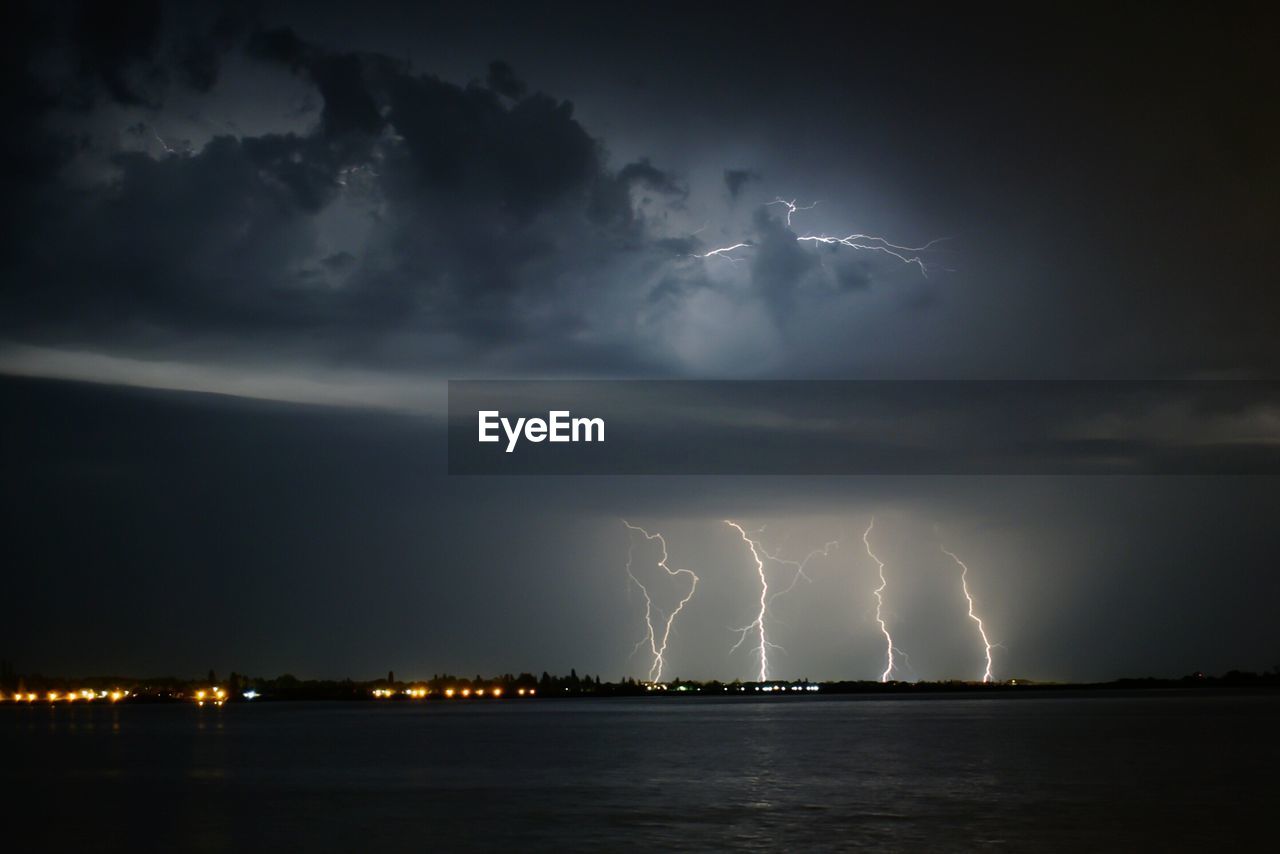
486 221
736 179
72 57
147 253
201 50
503 80
523 160
645 174
479 224
133 52
478 208
349 105
781 265
116 45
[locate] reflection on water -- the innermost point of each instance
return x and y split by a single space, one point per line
1108 772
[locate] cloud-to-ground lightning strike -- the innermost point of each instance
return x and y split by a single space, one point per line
879 594
964 585
657 646
757 626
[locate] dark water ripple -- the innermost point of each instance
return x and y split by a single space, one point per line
1163 772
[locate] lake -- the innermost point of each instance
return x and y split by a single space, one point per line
1105 771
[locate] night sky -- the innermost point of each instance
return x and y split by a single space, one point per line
245 245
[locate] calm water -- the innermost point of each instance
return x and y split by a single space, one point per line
1106 772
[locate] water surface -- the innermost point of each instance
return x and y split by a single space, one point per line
1059 772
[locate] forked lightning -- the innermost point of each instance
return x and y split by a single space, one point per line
657 645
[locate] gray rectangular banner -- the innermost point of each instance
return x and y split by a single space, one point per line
552 427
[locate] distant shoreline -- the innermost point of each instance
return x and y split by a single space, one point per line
35 690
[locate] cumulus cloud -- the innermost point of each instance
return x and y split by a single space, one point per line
489 223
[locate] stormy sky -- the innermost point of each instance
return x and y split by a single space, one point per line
246 244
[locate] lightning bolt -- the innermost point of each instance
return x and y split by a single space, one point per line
658 647
964 585
879 594
910 255
798 566
757 626
723 252
791 207
870 243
